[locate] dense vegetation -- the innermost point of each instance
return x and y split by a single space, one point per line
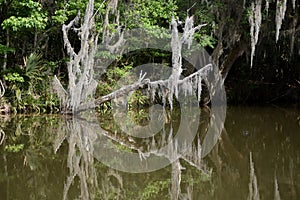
32 49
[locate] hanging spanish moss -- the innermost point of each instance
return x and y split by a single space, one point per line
280 12
170 88
176 179
267 7
81 85
294 4
255 22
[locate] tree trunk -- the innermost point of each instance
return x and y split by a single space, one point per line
235 52
5 54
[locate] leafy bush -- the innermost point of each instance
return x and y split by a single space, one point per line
29 88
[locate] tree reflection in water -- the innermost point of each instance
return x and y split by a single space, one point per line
253 188
34 172
82 135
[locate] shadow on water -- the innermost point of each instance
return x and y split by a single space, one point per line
53 157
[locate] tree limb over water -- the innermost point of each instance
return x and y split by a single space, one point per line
142 84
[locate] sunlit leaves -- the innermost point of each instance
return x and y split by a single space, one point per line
68 10
13 77
15 148
32 18
145 14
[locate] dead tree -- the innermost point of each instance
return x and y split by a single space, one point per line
81 85
79 94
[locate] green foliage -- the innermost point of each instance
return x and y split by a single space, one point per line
4 49
14 148
148 14
203 15
205 40
28 87
68 10
32 63
137 99
109 81
26 15
35 26
13 78
154 188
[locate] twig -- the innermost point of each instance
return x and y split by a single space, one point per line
2 136
2 89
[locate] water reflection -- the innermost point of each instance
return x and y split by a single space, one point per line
273 138
80 136
87 140
253 188
256 157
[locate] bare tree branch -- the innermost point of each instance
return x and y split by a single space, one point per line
2 89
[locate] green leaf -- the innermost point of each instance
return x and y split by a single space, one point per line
4 49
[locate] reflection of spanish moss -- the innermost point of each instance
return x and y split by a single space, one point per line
173 150
109 186
175 192
80 136
292 176
176 179
276 189
253 188
5 165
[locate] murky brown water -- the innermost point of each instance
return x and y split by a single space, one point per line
51 157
